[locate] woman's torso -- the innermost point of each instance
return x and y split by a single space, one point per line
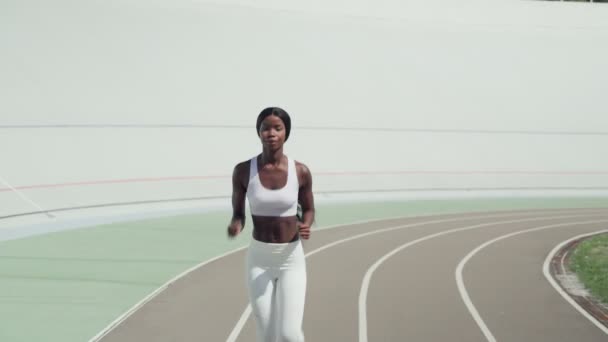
273 198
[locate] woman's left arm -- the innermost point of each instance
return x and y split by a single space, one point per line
306 200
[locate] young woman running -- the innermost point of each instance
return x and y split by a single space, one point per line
276 270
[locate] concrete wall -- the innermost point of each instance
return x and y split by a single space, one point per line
121 101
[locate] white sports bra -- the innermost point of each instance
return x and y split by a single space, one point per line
267 202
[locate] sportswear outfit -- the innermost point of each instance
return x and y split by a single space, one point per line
276 272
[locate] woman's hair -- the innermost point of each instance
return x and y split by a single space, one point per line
276 111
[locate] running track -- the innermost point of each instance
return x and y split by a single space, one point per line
460 277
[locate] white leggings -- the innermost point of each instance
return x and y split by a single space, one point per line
276 277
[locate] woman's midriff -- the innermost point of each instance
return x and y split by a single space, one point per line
273 229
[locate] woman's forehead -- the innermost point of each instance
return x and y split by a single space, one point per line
272 120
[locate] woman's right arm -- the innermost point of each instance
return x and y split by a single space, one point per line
237 223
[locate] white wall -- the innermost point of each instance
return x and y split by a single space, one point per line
499 67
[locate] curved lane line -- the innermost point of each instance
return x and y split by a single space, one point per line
156 292
551 280
234 334
372 269
152 295
459 278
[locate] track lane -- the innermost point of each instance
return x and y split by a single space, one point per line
528 306
205 304
337 321
413 296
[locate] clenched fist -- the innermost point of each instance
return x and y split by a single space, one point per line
234 228
304 230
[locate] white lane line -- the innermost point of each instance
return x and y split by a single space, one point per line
245 315
247 311
234 334
151 296
236 331
459 278
551 280
372 269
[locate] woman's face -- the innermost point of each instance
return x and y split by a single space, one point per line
272 132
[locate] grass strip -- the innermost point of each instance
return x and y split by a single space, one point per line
590 262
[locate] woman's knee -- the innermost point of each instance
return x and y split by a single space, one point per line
291 335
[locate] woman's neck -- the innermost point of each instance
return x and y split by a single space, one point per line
272 157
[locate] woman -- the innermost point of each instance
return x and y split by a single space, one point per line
276 269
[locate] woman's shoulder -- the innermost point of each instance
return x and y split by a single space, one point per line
242 168
246 163
242 164
301 168
300 164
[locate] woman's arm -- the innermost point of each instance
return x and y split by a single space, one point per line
237 223
306 200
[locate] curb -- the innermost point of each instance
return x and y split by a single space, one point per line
568 281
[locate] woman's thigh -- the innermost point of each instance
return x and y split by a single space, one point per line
290 299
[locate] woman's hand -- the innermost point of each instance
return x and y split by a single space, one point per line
234 228
304 230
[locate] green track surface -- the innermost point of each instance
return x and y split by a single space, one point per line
67 286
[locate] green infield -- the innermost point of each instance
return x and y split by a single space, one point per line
590 262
